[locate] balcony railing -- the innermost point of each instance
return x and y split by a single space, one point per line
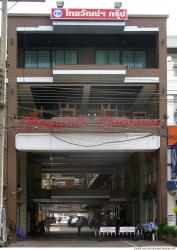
71 115
68 110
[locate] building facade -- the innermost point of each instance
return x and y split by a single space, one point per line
87 124
172 121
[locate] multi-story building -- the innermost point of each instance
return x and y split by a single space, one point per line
172 128
87 115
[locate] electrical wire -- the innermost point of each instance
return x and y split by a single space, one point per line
12 6
100 144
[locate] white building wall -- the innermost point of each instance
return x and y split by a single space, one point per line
171 198
171 108
130 142
171 90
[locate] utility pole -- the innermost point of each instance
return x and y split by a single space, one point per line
3 112
3 61
3 103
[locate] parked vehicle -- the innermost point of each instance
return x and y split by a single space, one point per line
51 219
72 221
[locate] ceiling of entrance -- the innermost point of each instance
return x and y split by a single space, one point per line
78 162
76 177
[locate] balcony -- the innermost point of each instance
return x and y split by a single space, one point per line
87 106
92 114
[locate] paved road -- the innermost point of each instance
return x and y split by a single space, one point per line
62 236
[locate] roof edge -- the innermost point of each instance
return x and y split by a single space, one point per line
149 15
129 15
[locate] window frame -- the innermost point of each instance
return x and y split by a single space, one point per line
51 51
121 51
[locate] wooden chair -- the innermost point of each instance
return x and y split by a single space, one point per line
36 113
67 109
109 109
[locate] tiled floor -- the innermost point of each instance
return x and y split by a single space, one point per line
63 236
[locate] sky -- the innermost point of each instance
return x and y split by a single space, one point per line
133 7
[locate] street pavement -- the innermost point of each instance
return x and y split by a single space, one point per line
63 236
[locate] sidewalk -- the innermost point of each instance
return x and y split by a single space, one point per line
63 236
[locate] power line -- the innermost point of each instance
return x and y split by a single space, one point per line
100 144
12 6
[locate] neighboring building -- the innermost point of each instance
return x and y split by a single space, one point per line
86 116
172 127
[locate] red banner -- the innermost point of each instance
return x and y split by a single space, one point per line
81 121
104 14
29 121
109 122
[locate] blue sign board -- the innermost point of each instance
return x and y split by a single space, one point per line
171 185
174 161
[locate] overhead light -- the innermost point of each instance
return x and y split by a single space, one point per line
61 157
117 5
60 163
60 4
65 178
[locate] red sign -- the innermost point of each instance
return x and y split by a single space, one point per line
81 121
108 122
30 121
172 135
104 14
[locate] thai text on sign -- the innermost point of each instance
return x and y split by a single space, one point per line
105 14
81 121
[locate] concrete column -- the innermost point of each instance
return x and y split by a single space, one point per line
85 98
22 196
11 187
129 208
130 189
142 171
162 153
162 179
11 151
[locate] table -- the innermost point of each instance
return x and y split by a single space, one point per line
127 230
106 230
